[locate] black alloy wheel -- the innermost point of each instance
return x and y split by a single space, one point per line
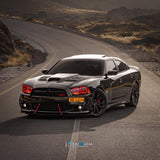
99 103
134 96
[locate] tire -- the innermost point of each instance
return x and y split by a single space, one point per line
99 103
134 96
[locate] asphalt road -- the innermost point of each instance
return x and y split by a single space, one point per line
120 134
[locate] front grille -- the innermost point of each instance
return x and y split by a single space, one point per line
50 106
49 92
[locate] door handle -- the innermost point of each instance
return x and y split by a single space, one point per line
132 76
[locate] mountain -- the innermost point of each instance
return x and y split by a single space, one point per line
125 14
61 11
110 4
46 10
153 20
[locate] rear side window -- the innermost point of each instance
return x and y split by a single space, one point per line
110 66
121 66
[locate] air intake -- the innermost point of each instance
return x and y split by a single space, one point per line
53 79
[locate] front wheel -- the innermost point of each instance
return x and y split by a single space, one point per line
134 96
99 103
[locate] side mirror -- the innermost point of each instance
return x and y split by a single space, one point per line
44 71
111 73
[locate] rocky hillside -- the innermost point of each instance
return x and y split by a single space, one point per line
6 43
15 52
153 20
45 10
125 14
109 4
61 12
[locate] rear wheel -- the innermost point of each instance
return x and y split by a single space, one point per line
99 103
134 96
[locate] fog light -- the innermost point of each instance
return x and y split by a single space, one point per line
79 107
24 105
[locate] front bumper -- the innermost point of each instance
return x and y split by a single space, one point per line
49 105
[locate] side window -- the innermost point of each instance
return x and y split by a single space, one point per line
121 66
110 66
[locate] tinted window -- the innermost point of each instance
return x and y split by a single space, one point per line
121 66
82 67
110 66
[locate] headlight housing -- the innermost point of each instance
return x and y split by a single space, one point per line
27 89
80 90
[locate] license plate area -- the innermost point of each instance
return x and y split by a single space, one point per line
76 99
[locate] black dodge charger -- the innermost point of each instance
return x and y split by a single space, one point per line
81 84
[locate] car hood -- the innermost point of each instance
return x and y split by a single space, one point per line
60 80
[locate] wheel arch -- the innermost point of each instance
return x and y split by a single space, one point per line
137 82
99 87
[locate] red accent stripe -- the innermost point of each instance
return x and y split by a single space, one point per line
59 109
36 109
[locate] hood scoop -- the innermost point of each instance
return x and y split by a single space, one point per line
44 78
60 77
49 78
53 79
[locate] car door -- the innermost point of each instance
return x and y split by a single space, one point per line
124 80
112 82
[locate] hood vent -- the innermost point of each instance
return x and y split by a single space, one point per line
53 79
44 78
61 78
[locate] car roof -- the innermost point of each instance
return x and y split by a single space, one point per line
90 56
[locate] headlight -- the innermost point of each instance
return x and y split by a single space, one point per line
26 89
80 90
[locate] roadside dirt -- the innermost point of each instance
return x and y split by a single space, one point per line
35 57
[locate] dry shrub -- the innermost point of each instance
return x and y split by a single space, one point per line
18 58
125 34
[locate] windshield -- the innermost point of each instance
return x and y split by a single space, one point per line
81 67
